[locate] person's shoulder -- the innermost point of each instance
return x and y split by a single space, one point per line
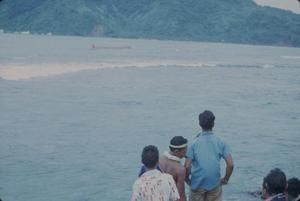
163 159
216 136
137 182
219 139
195 140
167 176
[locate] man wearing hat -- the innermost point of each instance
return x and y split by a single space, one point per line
170 162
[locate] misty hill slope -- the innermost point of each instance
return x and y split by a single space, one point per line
199 20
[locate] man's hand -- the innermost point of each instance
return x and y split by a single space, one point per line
224 181
229 170
188 165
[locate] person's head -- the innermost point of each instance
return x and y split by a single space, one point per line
293 188
178 145
207 120
274 183
150 156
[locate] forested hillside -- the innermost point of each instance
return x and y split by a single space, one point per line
236 21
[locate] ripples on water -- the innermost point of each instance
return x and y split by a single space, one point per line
78 136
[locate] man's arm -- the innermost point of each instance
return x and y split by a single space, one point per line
135 196
229 169
188 166
174 195
180 184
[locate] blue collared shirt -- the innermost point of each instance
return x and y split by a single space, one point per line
206 151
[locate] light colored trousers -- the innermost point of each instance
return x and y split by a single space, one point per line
205 195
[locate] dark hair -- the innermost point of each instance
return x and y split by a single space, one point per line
150 156
207 120
177 141
275 182
293 187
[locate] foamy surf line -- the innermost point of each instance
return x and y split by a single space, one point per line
27 71
290 57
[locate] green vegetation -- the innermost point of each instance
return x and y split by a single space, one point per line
235 21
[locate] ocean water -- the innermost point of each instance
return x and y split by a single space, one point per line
77 135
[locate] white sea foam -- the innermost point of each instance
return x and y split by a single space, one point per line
210 65
290 57
268 66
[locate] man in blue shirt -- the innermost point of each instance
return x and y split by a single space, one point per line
203 162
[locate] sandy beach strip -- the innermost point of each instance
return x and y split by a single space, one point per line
27 71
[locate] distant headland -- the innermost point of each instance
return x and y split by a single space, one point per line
231 21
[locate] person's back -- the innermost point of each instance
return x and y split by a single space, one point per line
170 163
170 167
153 185
203 162
209 150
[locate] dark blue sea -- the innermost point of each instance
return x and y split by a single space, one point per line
76 112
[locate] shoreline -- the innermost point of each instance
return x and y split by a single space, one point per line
28 71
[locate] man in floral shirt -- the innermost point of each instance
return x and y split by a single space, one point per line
153 185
